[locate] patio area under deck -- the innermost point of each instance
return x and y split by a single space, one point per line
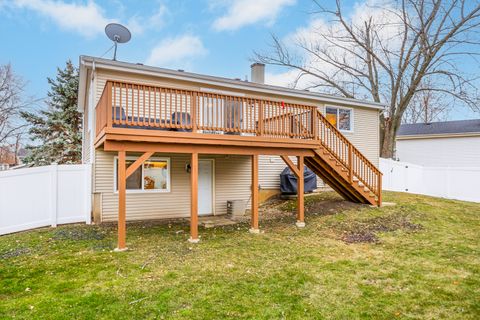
148 149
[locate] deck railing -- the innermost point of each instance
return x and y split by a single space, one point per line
129 105
151 107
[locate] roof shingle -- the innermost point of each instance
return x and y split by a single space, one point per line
446 127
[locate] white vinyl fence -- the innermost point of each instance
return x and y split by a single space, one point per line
461 183
44 196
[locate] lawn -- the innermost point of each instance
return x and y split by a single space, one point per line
419 259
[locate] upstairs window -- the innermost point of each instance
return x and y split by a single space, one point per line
152 176
341 118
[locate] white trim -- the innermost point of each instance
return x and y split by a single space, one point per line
352 117
169 178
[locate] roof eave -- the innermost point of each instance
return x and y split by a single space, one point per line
233 84
438 135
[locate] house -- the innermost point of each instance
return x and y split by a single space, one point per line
166 143
433 144
7 158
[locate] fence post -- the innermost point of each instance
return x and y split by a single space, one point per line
53 194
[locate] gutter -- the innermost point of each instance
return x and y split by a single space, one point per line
438 135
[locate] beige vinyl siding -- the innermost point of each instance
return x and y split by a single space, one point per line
232 182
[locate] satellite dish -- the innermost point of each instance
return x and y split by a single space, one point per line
118 34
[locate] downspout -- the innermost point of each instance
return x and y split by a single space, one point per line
91 110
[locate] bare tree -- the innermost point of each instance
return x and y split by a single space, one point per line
11 103
385 53
428 106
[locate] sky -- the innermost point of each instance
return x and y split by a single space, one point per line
214 37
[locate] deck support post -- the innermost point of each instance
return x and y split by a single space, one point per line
254 221
122 186
194 199
300 191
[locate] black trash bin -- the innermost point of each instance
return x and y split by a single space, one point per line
288 181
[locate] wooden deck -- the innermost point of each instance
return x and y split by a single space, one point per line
147 119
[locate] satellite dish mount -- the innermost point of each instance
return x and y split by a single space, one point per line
118 34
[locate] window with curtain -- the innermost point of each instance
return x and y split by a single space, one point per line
341 118
153 175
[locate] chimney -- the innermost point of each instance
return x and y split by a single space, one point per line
258 73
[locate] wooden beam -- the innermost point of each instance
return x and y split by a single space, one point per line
134 166
291 165
202 138
122 186
130 146
194 198
300 193
254 220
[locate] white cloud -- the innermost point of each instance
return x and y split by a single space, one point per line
139 24
245 12
86 19
176 52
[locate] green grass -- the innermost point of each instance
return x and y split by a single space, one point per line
423 262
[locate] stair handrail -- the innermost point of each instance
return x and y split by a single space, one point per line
374 183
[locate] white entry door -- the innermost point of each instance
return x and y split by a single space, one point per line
205 187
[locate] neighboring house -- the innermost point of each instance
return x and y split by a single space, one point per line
440 144
7 158
193 142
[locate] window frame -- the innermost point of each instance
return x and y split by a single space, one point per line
142 190
352 117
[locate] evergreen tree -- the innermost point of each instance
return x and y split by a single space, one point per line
57 131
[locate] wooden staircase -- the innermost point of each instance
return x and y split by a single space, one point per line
342 166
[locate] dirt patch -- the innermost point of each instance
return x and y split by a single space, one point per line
12 253
79 234
330 207
367 231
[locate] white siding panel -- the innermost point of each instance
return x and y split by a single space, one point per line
440 152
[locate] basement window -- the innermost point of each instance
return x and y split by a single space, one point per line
341 118
152 176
